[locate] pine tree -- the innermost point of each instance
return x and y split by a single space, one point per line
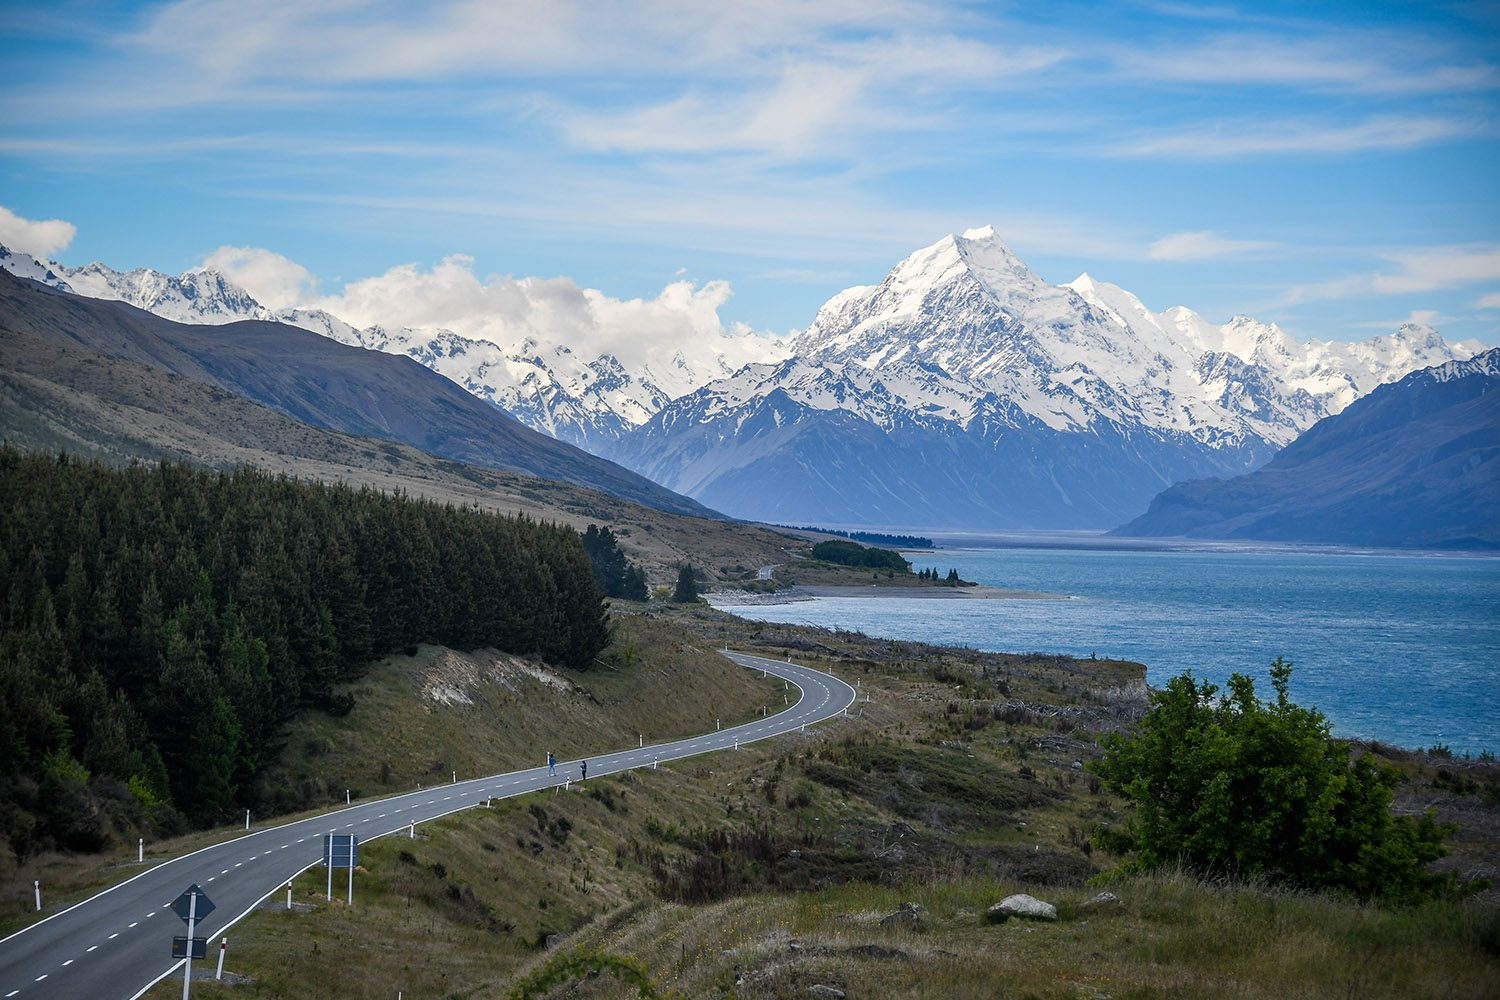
687 586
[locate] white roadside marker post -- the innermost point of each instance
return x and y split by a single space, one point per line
289 894
247 819
187 962
643 740
223 947
37 885
411 831
455 777
346 797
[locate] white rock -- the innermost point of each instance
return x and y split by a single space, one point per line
1022 905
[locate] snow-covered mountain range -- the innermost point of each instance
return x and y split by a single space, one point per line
961 390
1001 400
586 401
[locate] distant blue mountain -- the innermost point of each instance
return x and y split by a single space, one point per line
1415 464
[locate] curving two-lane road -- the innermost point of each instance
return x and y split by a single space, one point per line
116 944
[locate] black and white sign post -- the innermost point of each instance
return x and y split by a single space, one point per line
341 850
192 906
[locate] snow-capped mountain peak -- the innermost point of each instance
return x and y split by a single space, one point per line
201 296
964 383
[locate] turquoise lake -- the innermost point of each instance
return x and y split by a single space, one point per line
1400 648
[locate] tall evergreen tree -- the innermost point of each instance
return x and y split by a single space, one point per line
687 586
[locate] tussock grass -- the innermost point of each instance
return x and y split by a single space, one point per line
1172 936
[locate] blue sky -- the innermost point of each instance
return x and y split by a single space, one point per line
1331 167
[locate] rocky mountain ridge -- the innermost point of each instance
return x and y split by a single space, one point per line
1415 463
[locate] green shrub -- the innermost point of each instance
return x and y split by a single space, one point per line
1233 785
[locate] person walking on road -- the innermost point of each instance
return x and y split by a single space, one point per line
551 764
583 769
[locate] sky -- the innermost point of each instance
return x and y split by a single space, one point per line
1331 167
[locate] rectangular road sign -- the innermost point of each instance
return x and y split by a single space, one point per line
179 947
340 850
182 905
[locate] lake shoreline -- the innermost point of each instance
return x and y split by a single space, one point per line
797 594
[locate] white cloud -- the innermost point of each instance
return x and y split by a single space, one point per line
1201 245
810 103
1243 137
36 237
1427 269
1490 301
1346 60
509 312
271 279
1439 267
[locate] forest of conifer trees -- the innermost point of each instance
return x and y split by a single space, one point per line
161 623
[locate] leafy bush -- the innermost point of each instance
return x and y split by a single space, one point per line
1233 785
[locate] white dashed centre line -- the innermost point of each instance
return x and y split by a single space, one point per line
113 936
69 962
132 925
11 994
92 947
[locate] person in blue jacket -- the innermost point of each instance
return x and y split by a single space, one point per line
583 768
551 764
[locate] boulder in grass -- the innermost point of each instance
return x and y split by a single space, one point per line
1103 901
1021 905
910 915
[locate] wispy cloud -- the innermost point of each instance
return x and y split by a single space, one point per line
40 238
1254 137
1352 61
1426 269
811 101
1490 301
1202 245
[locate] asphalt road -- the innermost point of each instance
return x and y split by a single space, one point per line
118 943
